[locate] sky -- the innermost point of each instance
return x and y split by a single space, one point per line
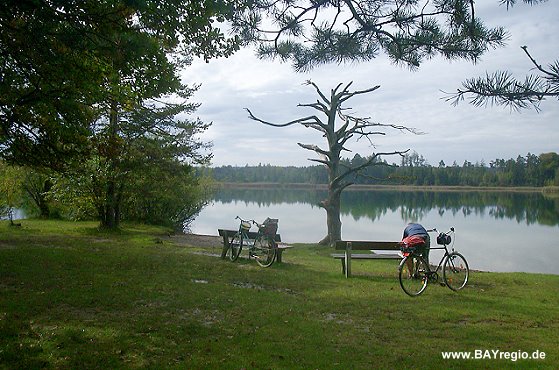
272 91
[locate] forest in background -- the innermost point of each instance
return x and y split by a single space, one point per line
530 170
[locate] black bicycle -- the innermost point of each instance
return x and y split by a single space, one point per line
415 273
262 248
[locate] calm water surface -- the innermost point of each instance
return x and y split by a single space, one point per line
494 231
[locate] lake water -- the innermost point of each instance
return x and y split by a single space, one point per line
495 231
19 214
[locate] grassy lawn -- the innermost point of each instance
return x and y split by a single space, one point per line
75 297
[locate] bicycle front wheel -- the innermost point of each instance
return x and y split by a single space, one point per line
235 247
264 252
455 271
413 275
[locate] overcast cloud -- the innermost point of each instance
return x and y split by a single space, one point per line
272 91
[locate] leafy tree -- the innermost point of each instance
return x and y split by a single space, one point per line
338 137
73 194
81 80
63 60
140 163
156 167
549 163
310 33
170 195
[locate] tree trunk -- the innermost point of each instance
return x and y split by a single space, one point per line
42 203
333 221
111 209
332 204
109 218
110 213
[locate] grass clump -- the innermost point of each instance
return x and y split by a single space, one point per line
72 296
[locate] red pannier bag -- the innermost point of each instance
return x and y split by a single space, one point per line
410 244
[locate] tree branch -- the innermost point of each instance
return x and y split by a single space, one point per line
321 161
318 106
538 66
359 92
370 162
322 96
306 121
316 32
502 88
314 148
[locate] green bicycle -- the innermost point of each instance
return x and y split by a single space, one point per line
261 247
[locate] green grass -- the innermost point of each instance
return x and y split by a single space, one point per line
72 296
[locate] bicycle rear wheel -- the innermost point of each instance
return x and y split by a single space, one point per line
235 247
264 252
413 275
455 271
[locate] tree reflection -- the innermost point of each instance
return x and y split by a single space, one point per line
529 208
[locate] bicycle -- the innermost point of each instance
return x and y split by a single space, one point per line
415 273
263 248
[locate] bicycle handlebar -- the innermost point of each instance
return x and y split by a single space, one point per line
434 230
238 218
252 221
257 224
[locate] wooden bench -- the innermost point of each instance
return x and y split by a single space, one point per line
228 235
350 245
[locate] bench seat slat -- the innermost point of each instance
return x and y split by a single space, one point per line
251 234
367 245
370 256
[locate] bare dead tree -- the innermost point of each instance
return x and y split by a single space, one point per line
339 129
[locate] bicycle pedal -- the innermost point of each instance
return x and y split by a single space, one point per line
442 284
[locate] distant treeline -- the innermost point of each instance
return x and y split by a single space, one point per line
530 170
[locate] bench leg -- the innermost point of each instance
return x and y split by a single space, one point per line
278 255
348 261
343 265
347 267
225 246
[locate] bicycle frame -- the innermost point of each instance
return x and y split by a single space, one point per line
445 255
244 234
252 241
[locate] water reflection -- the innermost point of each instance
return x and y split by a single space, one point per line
496 231
18 214
529 208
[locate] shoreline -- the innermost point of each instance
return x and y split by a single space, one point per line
364 187
215 242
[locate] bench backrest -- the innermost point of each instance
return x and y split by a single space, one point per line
366 245
251 234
